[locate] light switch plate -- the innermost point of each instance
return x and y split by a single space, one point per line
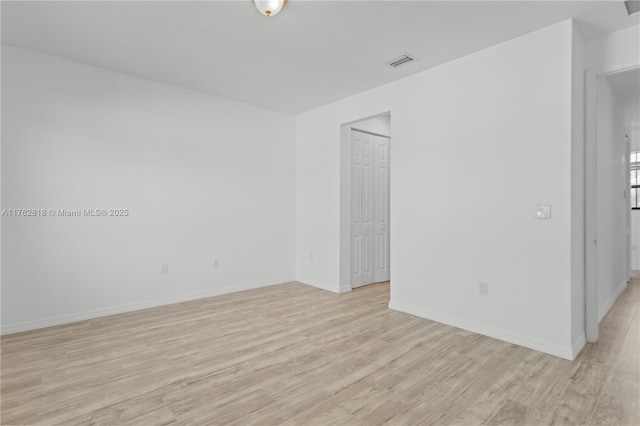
543 211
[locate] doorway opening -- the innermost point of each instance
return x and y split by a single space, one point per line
612 222
365 230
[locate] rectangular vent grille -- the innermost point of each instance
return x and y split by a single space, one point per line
633 7
403 59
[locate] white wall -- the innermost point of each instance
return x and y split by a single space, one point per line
635 240
635 137
380 125
477 143
635 214
613 180
619 48
578 218
203 178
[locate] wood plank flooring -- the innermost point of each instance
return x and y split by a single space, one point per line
296 355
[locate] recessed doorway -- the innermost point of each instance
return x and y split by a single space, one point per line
365 208
613 102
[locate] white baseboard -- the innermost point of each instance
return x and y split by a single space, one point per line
551 348
578 345
113 310
345 288
607 306
333 288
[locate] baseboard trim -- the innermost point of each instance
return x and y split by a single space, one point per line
565 352
322 286
578 345
120 309
602 312
345 288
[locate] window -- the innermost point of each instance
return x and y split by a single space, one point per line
635 180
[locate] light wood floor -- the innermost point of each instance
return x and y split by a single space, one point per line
296 355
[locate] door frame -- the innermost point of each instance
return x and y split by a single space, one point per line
591 192
345 199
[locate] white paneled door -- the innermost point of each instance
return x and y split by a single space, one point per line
369 208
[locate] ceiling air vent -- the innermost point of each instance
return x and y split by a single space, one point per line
633 7
400 60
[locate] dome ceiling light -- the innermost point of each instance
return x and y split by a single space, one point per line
269 7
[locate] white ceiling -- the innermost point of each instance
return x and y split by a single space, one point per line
626 86
312 53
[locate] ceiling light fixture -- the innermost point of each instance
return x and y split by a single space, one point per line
269 7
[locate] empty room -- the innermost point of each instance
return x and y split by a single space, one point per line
272 212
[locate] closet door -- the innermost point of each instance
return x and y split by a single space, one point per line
381 230
362 208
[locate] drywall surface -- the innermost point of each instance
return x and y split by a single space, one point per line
380 125
620 48
613 181
477 144
577 193
635 214
202 178
635 240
